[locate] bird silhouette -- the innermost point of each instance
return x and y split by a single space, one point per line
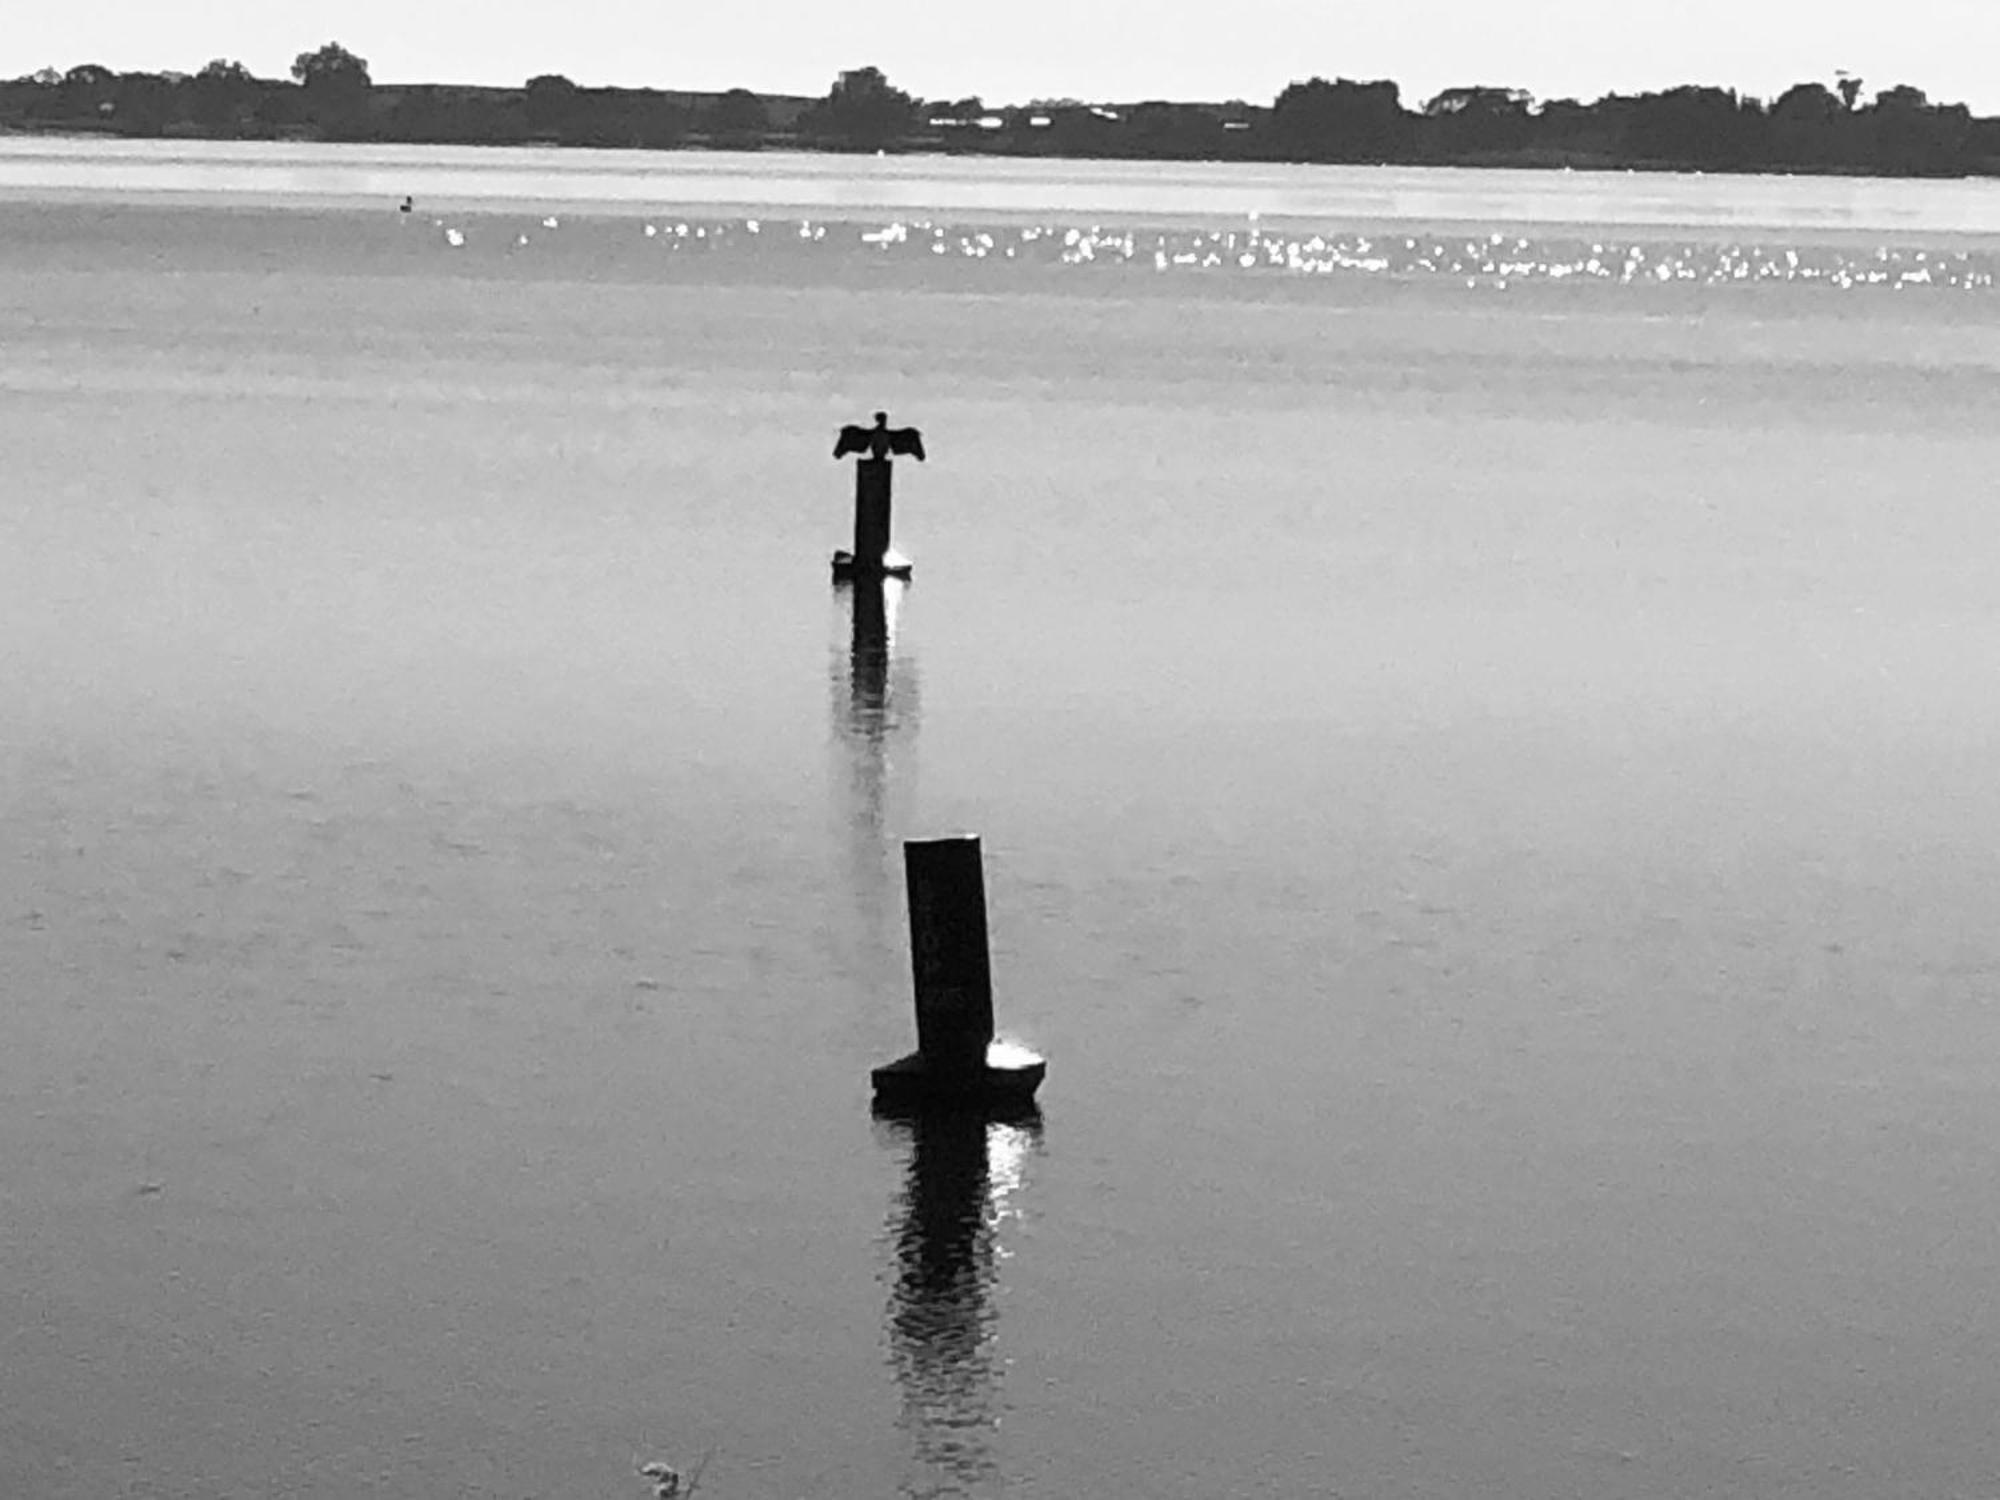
879 441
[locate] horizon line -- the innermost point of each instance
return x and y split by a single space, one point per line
1410 103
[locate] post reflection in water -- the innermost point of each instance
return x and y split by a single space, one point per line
961 1185
875 714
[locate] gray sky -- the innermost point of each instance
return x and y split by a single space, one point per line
1021 49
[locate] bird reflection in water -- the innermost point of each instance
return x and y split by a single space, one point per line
875 715
961 1188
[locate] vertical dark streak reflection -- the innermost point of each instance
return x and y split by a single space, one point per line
875 715
962 1178
881 682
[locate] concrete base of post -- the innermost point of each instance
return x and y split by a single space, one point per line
846 571
910 1083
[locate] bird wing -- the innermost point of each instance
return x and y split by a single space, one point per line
852 440
907 440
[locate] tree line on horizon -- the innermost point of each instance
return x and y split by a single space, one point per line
330 95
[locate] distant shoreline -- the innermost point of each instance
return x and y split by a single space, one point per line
1809 130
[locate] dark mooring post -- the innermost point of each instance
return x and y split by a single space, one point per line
948 957
955 1064
872 557
871 514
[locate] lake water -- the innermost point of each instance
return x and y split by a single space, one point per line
1479 706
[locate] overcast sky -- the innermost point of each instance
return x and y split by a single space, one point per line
1011 51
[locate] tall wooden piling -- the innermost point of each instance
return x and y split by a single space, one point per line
871 516
948 957
956 1066
872 557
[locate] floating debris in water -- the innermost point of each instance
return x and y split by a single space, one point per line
667 1481
665 1477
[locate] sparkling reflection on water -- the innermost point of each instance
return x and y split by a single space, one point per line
1239 252
963 1177
1485 259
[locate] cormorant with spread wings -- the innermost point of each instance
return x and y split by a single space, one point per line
879 441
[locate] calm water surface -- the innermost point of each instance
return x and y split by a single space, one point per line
846 185
1485 776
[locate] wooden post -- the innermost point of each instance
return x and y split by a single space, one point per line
871 516
875 448
956 1066
948 957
